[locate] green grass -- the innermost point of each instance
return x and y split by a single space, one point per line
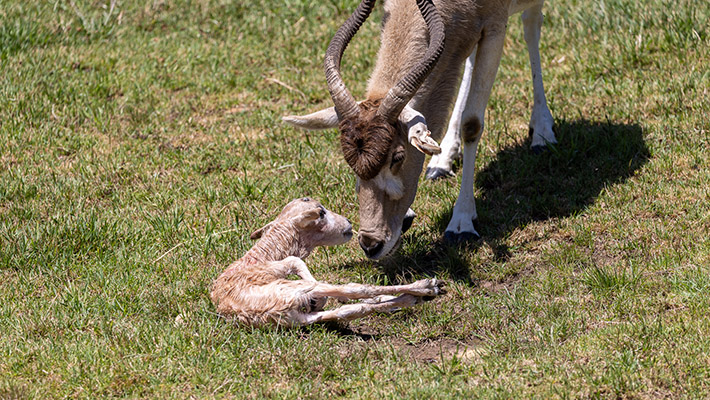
141 144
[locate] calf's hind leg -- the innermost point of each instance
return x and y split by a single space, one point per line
350 312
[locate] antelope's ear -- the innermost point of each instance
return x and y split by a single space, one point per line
260 232
417 132
323 119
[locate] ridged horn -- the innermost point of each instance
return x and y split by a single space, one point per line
345 104
398 96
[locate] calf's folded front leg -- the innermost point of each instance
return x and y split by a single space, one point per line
420 288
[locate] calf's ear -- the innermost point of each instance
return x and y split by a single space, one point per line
260 232
306 218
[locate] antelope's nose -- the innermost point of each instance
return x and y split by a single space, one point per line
370 245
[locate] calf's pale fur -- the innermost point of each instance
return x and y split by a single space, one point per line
255 291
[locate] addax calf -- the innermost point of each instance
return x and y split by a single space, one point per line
255 290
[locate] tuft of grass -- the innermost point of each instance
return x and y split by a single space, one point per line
611 278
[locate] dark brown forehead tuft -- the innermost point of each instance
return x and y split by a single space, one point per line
366 140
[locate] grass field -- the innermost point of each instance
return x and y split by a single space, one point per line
141 143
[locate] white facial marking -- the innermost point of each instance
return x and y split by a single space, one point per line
391 184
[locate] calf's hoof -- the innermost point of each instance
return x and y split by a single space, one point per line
439 290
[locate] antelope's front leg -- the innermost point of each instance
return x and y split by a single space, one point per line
487 58
461 227
296 266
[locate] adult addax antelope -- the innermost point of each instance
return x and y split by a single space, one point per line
385 137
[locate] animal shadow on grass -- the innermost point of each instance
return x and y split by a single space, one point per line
519 187
345 329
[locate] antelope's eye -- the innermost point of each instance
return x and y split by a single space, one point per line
397 157
322 213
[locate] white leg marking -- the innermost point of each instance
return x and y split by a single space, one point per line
451 144
541 119
410 214
379 299
465 207
488 54
422 287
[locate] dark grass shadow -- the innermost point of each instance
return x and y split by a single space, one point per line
519 187
343 329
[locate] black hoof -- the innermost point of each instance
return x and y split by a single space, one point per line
407 223
458 238
539 149
433 174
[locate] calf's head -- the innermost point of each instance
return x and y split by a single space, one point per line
315 225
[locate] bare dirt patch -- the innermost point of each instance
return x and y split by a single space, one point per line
432 350
437 350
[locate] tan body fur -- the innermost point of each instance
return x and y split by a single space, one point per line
465 21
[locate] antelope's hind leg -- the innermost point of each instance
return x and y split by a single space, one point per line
381 299
541 121
441 165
